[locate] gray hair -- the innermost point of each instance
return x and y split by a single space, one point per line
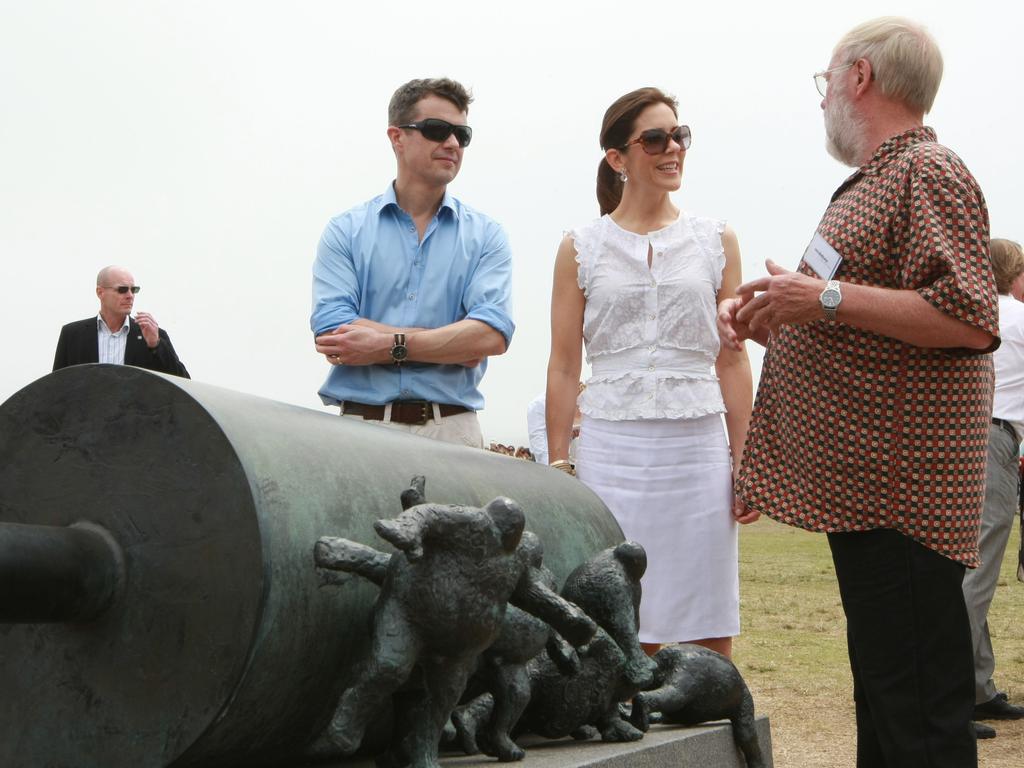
905 58
402 108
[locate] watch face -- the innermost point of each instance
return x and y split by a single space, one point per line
399 352
830 298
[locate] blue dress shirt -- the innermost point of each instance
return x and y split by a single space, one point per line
371 264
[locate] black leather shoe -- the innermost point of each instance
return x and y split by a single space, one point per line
998 708
982 731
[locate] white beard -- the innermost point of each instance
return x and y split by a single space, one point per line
844 131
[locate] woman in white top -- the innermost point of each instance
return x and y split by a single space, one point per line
641 287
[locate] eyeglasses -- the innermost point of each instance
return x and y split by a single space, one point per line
655 140
439 130
123 289
821 78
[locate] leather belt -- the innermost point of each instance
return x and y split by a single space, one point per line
1008 427
402 411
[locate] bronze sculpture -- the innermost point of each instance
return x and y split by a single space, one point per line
583 700
441 605
502 676
696 685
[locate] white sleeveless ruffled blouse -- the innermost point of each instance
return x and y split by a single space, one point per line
650 332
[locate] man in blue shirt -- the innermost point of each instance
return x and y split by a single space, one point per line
412 289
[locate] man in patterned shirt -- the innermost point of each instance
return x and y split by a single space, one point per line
872 416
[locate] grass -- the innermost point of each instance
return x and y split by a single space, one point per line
792 650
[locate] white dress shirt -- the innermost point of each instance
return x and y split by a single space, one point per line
111 345
537 429
1008 400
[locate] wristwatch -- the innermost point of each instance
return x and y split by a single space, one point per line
398 350
830 299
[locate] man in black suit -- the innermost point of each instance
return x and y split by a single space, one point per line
114 336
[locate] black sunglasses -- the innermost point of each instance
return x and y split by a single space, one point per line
439 130
655 140
123 289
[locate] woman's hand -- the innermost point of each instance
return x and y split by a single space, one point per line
741 514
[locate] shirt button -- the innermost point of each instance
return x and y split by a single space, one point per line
650 368
659 253
653 281
412 229
412 296
417 263
651 349
654 317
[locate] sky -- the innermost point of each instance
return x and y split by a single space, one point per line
204 145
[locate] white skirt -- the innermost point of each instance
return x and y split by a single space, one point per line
668 482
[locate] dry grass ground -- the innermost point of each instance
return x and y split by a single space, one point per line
793 649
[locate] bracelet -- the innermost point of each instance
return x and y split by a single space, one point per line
563 465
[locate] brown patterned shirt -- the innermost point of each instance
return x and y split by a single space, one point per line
854 431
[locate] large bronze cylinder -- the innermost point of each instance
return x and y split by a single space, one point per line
192 628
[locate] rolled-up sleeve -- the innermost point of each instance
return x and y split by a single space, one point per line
335 283
488 293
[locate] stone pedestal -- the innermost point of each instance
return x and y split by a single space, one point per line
699 746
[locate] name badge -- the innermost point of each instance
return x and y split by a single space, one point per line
822 257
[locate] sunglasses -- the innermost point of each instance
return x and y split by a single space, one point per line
439 130
123 289
655 140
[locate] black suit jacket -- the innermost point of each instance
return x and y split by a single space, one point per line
78 344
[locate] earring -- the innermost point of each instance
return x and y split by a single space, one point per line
622 176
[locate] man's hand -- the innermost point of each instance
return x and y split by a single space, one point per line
781 298
355 345
150 330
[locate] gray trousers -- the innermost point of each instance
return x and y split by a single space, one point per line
1001 478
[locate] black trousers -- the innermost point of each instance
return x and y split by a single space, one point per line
909 641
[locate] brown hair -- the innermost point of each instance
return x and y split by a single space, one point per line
402 108
618 123
1007 263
